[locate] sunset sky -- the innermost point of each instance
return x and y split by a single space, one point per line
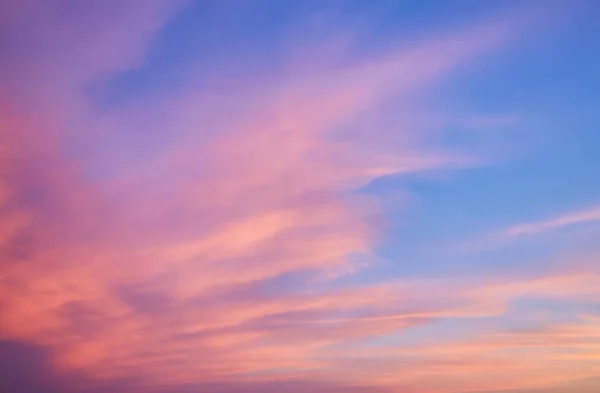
299 196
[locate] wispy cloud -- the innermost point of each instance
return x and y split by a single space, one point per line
585 216
526 231
214 263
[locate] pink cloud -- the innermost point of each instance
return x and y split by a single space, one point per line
146 274
584 216
568 222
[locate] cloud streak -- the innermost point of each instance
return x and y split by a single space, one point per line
580 217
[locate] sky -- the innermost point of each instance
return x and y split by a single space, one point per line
266 196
